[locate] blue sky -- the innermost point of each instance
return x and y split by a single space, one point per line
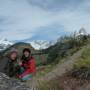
22 20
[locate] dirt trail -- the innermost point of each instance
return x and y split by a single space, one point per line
65 67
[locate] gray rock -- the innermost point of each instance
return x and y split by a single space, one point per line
7 83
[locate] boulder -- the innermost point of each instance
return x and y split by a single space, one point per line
7 83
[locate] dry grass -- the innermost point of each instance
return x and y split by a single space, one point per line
66 82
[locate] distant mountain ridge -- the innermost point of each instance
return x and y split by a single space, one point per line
37 54
36 44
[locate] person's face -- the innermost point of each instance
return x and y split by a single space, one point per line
27 54
13 56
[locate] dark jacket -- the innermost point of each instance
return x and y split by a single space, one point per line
3 62
10 67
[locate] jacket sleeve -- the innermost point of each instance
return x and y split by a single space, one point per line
31 68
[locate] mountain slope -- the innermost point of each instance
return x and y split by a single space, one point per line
66 66
61 77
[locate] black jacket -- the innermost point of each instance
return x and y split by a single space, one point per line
8 67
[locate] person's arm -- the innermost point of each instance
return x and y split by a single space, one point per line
21 63
6 67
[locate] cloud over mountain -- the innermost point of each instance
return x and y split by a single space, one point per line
23 19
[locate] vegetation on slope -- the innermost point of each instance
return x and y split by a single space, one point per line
76 79
65 46
82 66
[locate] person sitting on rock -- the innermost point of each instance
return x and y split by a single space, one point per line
28 65
11 65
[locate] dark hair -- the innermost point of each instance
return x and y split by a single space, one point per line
27 49
26 59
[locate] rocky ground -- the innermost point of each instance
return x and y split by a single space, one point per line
11 84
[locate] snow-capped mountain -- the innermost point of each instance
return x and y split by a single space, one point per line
36 44
81 32
4 43
41 44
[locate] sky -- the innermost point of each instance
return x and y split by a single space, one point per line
22 20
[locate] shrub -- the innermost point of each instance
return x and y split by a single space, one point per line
82 66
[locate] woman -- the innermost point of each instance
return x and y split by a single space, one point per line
28 65
11 65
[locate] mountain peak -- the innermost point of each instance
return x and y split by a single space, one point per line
4 43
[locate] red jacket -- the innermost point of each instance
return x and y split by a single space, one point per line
30 67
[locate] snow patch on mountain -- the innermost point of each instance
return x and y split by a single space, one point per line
4 43
41 44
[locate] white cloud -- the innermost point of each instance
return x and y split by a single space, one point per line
19 16
22 20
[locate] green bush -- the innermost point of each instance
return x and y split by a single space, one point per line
84 60
82 66
82 63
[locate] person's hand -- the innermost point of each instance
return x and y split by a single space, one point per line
20 76
20 63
